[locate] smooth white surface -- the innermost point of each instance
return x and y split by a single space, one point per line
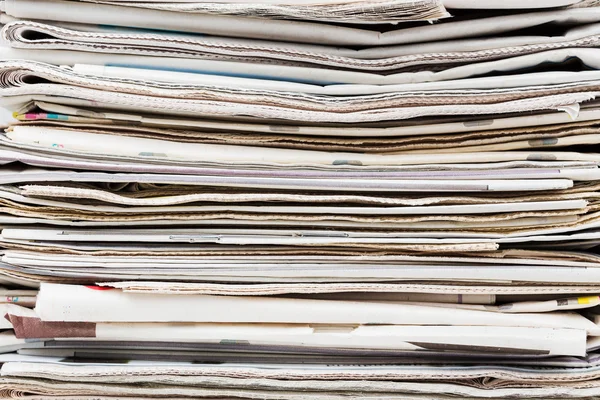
79 303
5 116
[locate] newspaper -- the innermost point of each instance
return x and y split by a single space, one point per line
228 102
525 164
348 291
377 59
382 11
302 75
495 140
365 185
85 117
390 338
79 303
40 389
187 269
294 31
106 146
450 83
372 381
32 192
477 209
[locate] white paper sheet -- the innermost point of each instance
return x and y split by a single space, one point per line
79 303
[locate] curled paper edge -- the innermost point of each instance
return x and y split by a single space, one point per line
571 109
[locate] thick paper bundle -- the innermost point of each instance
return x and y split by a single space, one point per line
300 200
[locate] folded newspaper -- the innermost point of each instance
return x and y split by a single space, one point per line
397 199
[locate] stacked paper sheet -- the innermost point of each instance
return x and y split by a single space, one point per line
300 200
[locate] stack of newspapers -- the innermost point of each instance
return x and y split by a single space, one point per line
300 199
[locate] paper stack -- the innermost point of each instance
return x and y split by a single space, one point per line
392 199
